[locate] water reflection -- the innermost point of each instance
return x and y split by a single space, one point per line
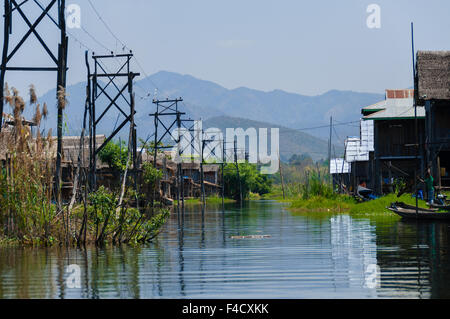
353 251
307 256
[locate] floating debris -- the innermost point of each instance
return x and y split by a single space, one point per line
251 237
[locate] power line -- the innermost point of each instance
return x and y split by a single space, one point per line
95 40
53 20
337 135
124 46
325 126
107 27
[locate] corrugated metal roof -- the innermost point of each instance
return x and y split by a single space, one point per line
399 94
397 112
399 97
377 106
399 104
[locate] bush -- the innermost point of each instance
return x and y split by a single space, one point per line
251 181
115 155
151 175
316 186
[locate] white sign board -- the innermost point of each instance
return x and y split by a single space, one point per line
339 166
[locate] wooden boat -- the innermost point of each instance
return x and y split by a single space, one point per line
421 214
437 206
403 205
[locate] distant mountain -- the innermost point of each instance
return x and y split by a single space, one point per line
291 141
208 100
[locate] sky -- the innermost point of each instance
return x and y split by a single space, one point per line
305 47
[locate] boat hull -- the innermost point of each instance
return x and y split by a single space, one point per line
422 215
444 207
406 206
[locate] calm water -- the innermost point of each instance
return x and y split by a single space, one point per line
307 256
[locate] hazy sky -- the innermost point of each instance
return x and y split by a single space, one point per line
306 47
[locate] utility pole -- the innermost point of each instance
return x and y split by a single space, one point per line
415 121
202 160
329 149
205 140
223 167
237 170
167 108
202 176
281 176
13 8
126 109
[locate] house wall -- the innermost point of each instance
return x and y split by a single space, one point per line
438 138
210 177
394 136
394 140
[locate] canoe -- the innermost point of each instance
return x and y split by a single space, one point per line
437 206
423 215
403 205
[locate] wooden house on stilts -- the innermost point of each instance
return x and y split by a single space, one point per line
433 92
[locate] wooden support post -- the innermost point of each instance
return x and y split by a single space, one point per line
182 186
178 186
223 184
281 176
416 129
61 87
439 173
202 177
390 174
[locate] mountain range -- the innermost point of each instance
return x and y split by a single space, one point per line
298 116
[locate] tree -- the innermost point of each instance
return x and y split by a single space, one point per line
149 147
151 176
251 181
302 160
115 155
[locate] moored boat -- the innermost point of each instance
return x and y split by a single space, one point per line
443 207
404 205
424 214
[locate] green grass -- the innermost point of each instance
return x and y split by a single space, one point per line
339 203
209 200
379 205
342 203
276 193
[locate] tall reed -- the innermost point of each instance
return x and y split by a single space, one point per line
26 177
28 212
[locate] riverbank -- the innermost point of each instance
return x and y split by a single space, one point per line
343 203
209 200
99 224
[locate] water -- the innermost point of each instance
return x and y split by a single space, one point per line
313 255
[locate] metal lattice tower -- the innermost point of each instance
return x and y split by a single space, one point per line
167 108
58 56
125 105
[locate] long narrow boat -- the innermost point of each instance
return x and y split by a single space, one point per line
421 214
404 205
443 207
